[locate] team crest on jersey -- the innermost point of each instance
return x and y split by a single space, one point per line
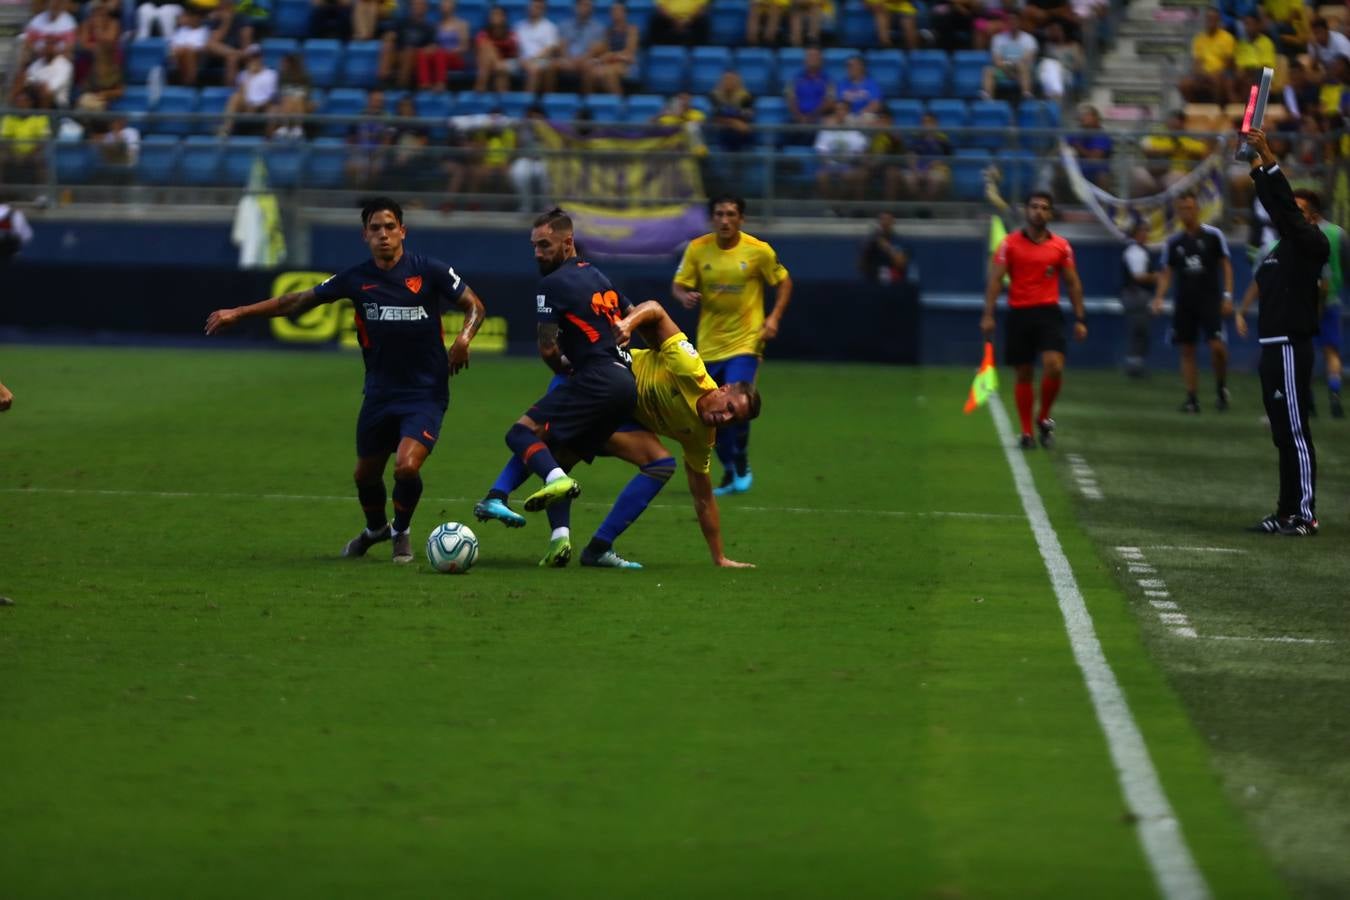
372 310
541 302
743 265
688 348
414 283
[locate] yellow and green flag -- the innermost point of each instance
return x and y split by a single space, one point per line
985 383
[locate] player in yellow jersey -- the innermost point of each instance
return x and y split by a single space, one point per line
677 399
724 273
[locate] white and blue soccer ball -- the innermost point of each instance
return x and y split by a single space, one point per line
452 548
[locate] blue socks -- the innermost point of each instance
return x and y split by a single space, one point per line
632 500
372 499
407 491
733 446
1334 384
531 451
513 475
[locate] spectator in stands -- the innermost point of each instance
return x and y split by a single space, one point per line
764 21
255 90
840 148
187 45
1325 46
331 19
989 21
15 234
54 23
614 54
1212 57
954 25
733 111
293 100
860 90
497 50
372 17
52 75
1012 55
409 166
101 28
369 139
926 174
447 54
1169 155
1331 91
1232 12
1060 64
157 15
810 94
885 146
1253 52
1312 150
1093 147
495 144
573 51
884 259
231 33
806 25
401 45
103 82
24 132
1293 25
884 12
679 22
120 146
528 171
1038 14
537 38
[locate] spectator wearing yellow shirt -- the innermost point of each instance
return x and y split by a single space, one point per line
1212 53
1293 25
679 22
22 135
369 15
1169 155
1254 51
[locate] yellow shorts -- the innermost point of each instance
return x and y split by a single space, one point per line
903 7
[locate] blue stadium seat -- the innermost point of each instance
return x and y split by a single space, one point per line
950 113
706 65
361 64
469 103
968 167
605 107
561 107
144 55
665 70
285 163
643 107
174 99
836 62
1019 168
323 57
757 68
513 103
342 102
238 159
702 103
770 111
798 164
790 62
928 71
158 159
992 114
1037 114
968 72
291 18
326 163
907 113
275 49
75 162
134 103
474 12
856 27
639 13
199 160
435 105
888 68
211 100
727 23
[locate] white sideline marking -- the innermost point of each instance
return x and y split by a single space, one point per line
1268 640
351 498
1196 549
1164 845
1085 477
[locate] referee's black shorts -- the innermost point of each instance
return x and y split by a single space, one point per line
1031 331
583 411
1197 319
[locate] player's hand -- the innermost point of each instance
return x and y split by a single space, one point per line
1240 323
1155 307
724 563
6 398
690 299
769 330
987 325
1226 309
221 319
459 355
623 332
1080 331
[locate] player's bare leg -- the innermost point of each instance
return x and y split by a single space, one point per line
655 466
1025 393
1052 376
412 453
525 440
1218 355
369 478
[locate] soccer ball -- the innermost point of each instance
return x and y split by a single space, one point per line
452 548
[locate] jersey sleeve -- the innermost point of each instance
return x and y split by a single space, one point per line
1001 254
770 268
1067 262
546 300
679 357
1136 259
697 455
445 279
335 288
687 274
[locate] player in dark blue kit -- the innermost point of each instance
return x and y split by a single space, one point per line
397 298
577 307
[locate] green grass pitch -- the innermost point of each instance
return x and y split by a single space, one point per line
202 700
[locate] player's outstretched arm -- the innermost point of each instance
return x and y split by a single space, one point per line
474 311
648 319
709 520
285 305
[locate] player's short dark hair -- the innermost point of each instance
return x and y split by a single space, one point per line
1311 197
380 204
555 219
718 199
1187 195
1043 195
751 395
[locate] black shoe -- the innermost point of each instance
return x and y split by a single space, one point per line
1027 442
1297 526
1190 407
358 545
1047 429
1221 404
1269 525
1337 411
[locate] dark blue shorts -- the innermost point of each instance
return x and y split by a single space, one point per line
384 421
737 368
581 412
1330 335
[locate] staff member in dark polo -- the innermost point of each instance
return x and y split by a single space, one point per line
1286 282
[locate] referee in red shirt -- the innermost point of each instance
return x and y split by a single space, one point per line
1033 259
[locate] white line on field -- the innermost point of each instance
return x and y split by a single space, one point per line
320 498
1084 477
1155 589
1164 845
1267 640
1194 549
